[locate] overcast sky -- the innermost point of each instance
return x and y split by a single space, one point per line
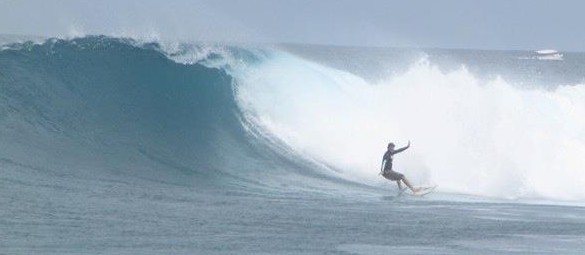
495 24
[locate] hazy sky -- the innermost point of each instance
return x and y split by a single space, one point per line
495 24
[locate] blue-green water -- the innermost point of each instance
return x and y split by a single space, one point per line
113 146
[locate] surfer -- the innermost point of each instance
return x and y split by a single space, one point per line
388 173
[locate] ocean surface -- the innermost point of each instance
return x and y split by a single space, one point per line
123 146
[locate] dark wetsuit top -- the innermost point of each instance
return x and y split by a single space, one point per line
388 172
388 158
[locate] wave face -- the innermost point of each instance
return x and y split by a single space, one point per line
249 117
105 99
100 106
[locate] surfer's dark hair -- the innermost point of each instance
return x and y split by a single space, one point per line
391 144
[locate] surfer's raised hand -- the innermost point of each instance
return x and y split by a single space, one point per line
401 149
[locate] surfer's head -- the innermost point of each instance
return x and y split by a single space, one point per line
391 146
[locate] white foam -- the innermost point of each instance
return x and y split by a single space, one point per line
468 136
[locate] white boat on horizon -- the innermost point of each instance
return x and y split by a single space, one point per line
548 54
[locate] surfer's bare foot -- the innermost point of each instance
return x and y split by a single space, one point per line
415 190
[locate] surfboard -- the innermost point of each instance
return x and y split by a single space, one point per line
423 191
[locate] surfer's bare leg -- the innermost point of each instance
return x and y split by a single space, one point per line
414 190
399 185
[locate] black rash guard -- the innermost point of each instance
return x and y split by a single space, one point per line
388 158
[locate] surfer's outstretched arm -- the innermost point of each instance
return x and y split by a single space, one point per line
401 149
